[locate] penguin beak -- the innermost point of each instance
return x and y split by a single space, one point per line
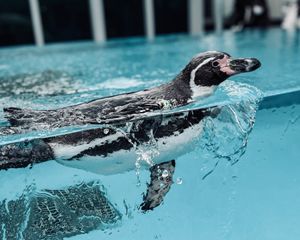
241 65
232 66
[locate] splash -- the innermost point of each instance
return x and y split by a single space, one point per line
146 151
226 134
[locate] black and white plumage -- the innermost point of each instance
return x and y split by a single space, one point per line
110 150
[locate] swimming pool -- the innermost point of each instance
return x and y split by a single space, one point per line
256 198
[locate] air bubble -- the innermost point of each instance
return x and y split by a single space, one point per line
179 180
165 173
106 131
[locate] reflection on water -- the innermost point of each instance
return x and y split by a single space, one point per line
59 213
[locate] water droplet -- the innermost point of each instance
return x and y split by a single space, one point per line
106 131
179 180
165 173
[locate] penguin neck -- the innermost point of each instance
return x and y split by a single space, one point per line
200 91
186 83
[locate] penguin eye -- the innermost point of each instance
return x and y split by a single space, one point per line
215 63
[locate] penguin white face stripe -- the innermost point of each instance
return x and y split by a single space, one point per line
200 91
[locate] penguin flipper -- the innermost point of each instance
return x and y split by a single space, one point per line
160 184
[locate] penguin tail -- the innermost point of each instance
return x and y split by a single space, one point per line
23 154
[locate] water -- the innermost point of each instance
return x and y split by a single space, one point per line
119 66
220 189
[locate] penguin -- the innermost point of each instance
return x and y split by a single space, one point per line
110 149
198 79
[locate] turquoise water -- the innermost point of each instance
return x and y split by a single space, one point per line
93 71
255 198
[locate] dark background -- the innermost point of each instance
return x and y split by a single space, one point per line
69 20
15 18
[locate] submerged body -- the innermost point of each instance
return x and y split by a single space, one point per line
111 150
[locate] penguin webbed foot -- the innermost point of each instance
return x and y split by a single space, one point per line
161 179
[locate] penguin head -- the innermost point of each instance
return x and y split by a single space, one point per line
211 68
